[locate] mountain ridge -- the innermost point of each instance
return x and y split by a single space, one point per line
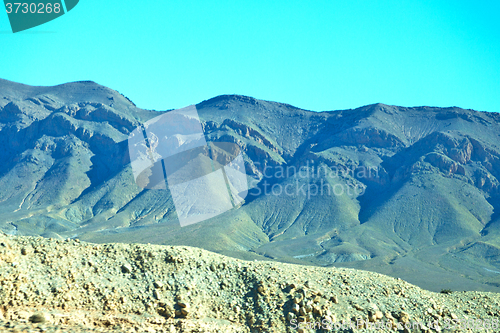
434 186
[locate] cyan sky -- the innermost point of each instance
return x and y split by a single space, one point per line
317 55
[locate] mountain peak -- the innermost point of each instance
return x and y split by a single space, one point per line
231 98
226 101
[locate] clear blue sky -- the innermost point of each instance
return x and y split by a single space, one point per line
317 55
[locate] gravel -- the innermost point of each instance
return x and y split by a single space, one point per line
51 285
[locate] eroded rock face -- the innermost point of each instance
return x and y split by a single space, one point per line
444 163
74 286
372 137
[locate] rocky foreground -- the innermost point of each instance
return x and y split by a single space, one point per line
51 285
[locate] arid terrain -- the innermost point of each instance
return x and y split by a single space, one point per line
49 285
419 197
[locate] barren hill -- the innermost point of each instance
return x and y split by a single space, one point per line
71 286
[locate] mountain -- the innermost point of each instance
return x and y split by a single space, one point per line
408 192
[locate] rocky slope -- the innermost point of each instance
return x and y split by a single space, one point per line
427 207
64 286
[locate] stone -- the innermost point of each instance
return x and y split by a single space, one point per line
126 268
183 304
404 317
38 318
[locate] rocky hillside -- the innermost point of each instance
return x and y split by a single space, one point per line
410 192
72 286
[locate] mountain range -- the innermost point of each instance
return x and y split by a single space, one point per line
411 192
